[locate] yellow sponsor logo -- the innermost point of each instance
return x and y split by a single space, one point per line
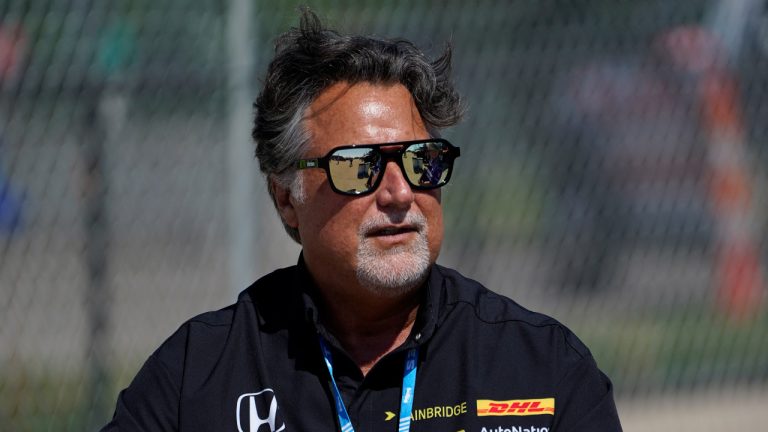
438 411
519 407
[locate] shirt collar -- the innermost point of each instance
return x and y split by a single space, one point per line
426 318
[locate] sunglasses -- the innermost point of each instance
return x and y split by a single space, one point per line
357 169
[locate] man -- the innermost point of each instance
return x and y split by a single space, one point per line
366 333
432 168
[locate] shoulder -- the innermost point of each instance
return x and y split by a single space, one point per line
197 345
195 342
500 316
492 332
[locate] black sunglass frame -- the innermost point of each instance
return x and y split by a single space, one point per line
395 155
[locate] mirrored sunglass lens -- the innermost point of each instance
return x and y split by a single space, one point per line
354 170
427 164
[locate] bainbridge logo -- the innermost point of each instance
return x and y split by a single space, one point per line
519 407
257 412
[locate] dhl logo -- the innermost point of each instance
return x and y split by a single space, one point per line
520 407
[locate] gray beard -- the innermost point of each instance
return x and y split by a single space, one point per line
395 271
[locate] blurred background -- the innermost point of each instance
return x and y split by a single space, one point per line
612 175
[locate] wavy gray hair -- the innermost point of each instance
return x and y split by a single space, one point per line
311 58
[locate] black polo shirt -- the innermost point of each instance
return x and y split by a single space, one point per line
485 365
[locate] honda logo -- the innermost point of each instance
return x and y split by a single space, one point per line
257 412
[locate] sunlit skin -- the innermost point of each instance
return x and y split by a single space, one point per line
367 324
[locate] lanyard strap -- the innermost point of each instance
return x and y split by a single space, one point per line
409 388
406 398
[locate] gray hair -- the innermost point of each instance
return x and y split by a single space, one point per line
311 58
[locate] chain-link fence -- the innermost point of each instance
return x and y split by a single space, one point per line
612 175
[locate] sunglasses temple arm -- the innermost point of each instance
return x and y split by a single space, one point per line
309 163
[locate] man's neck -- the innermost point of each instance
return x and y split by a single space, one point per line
369 327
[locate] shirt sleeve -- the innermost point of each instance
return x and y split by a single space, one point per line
584 400
151 401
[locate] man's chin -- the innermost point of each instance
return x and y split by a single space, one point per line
392 272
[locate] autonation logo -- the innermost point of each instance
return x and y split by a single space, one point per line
516 429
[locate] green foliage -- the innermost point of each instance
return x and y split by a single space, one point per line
32 401
680 348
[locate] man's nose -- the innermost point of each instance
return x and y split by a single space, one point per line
394 190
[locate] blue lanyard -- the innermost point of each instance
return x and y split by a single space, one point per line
406 398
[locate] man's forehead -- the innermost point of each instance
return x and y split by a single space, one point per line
346 97
364 113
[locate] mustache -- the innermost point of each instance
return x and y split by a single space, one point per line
412 219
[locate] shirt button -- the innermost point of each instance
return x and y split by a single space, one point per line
418 336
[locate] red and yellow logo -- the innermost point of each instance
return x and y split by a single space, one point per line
519 407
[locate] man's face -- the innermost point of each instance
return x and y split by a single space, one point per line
384 241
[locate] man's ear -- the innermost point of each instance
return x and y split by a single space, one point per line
282 196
